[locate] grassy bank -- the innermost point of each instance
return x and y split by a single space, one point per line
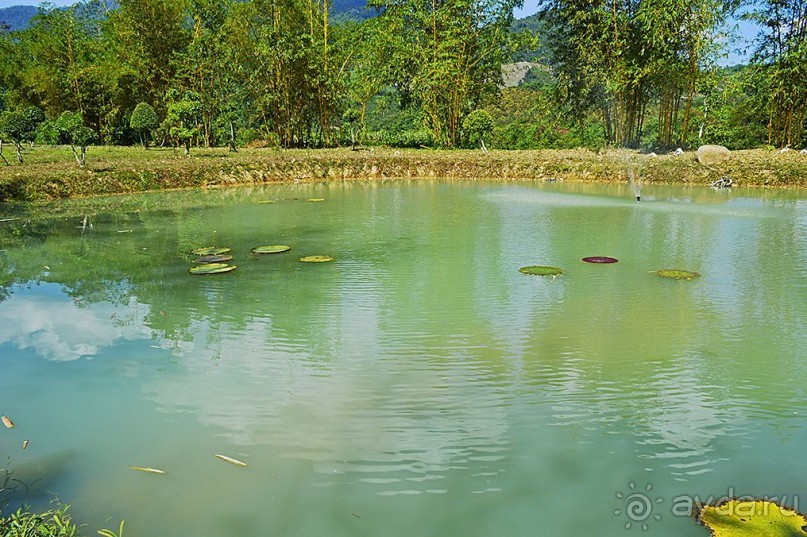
51 173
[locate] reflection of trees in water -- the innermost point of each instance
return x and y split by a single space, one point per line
587 341
673 358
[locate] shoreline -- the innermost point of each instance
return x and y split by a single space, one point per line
49 173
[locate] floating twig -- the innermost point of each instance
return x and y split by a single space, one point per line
230 460
147 469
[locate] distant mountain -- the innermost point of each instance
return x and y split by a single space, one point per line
342 10
532 25
16 17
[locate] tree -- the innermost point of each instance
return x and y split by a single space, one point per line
183 118
447 56
20 126
477 125
148 36
283 59
782 57
143 120
72 129
615 56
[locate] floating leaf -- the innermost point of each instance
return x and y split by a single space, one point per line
750 518
678 274
230 460
315 199
600 259
210 250
7 422
147 469
273 249
212 268
538 270
213 258
316 259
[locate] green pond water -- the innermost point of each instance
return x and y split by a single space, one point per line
419 384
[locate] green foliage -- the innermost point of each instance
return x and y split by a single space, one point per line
615 57
71 127
51 523
283 56
144 119
147 36
20 126
183 117
477 125
445 58
109 533
782 57
281 73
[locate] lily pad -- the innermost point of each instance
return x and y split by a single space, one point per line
316 259
678 274
274 249
538 270
750 518
210 250
601 259
211 268
213 258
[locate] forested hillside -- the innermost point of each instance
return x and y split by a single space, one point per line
289 73
16 17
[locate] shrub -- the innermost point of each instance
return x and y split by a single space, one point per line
143 120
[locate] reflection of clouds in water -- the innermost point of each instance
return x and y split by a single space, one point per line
734 208
54 327
353 416
800 230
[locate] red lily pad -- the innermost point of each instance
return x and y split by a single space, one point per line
601 259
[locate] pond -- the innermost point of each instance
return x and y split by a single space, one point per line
418 384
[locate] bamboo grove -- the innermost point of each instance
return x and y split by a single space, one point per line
285 73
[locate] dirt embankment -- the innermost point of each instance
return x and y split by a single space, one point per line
49 173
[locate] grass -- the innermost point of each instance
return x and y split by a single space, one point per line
49 172
51 523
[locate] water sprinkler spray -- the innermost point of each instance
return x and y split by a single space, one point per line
635 182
